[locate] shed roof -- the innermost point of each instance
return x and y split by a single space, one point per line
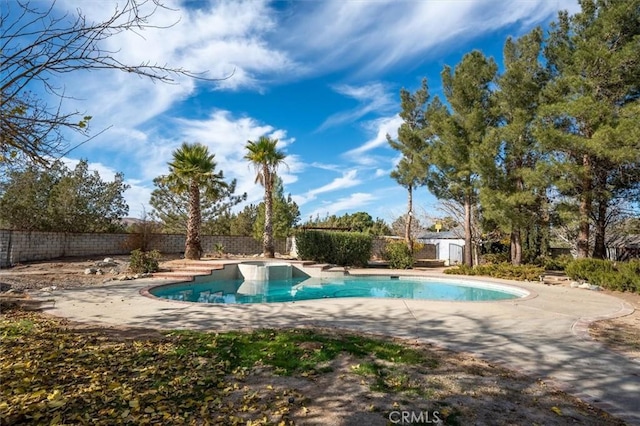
444 235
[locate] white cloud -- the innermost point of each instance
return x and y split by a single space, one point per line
356 201
382 172
380 127
371 97
375 36
347 180
226 136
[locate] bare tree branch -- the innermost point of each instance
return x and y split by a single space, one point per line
37 46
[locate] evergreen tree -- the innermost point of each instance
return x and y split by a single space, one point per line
512 187
242 222
412 168
62 200
457 135
171 210
589 122
355 222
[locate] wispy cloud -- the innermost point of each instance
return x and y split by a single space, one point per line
372 98
347 180
358 200
374 36
379 128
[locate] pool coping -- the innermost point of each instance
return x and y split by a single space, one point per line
530 294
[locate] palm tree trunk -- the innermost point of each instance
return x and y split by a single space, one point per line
193 247
267 237
407 228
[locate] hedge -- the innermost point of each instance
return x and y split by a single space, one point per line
621 276
338 248
501 270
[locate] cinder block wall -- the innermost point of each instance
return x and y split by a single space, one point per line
25 246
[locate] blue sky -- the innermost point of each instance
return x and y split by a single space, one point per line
321 76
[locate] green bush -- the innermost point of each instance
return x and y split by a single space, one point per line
495 257
501 270
339 248
398 255
144 261
554 263
621 276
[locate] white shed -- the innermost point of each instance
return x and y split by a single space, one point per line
449 246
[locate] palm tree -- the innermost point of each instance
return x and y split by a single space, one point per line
266 158
193 170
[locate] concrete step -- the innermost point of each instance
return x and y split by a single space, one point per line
555 279
428 263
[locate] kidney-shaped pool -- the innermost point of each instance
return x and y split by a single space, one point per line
240 291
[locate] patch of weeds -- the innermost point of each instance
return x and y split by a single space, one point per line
366 369
9 329
291 352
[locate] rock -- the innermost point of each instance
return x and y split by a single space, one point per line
99 272
585 285
108 262
124 278
575 284
595 287
107 280
46 289
114 271
90 271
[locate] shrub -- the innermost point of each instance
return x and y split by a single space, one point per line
142 235
144 261
621 276
495 257
554 263
398 255
339 248
501 270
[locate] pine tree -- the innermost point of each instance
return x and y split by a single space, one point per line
512 189
589 122
411 171
456 135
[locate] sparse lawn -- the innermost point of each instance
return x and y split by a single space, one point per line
55 372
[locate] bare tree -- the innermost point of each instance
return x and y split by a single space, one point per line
37 44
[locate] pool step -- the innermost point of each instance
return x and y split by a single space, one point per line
186 271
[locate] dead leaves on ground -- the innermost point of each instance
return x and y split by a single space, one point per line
52 375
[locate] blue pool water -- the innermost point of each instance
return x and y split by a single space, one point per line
298 289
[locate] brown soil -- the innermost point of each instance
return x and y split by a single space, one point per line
621 334
474 391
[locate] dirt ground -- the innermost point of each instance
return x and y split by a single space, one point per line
332 398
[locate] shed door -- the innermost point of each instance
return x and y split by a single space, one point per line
455 254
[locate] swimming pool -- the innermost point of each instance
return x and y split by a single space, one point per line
240 291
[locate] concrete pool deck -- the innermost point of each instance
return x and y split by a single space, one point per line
543 336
